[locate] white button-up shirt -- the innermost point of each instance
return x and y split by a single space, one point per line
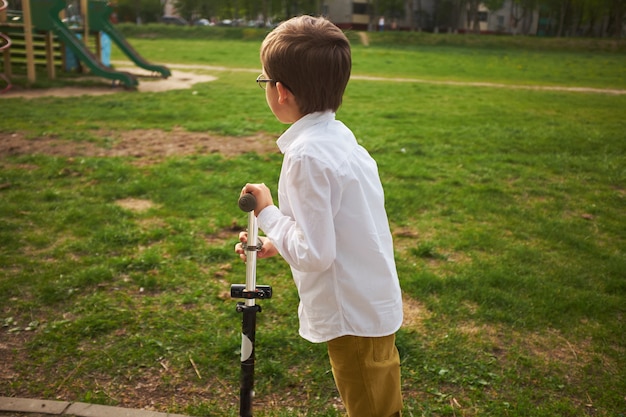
333 231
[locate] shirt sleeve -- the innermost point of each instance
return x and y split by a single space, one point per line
304 234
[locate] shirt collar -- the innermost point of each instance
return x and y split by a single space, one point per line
291 135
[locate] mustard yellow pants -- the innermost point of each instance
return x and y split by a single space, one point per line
367 375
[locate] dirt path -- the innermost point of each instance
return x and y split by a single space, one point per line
185 76
147 83
496 85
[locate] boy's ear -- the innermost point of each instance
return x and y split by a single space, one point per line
284 93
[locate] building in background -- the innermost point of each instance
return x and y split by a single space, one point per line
432 16
168 8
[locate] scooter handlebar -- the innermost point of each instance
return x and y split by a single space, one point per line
247 202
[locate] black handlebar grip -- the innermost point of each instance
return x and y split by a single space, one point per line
247 202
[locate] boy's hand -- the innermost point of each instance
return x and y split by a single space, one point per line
267 250
262 194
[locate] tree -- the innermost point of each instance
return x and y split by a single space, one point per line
415 17
472 16
138 10
449 14
617 14
187 8
493 5
521 15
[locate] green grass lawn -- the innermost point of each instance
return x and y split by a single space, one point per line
502 64
507 207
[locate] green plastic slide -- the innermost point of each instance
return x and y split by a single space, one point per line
99 21
45 16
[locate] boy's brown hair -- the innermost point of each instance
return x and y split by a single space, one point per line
311 57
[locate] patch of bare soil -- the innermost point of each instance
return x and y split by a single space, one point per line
10 347
145 146
147 83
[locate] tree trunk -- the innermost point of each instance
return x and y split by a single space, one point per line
604 29
527 20
419 15
562 18
409 6
619 17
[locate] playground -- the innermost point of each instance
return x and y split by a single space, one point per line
82 40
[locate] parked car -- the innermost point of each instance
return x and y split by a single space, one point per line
202 22
174 20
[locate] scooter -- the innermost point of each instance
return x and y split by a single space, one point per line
250 292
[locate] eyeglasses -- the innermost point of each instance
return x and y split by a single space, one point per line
262 82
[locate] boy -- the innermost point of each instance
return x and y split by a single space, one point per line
331 226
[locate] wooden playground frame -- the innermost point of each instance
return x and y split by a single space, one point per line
27 25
